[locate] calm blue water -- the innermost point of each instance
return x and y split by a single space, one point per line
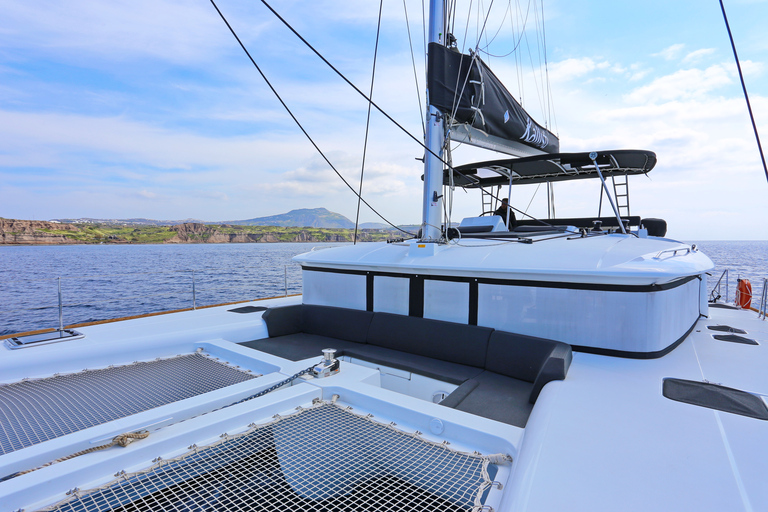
111 281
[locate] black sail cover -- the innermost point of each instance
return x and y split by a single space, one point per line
465 88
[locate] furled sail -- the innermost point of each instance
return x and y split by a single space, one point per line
480 110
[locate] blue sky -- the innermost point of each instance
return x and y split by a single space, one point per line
149 108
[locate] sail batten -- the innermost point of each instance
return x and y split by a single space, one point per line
465 89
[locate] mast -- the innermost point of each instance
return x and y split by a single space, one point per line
435 140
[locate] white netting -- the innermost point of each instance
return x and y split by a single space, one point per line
320 459
36 410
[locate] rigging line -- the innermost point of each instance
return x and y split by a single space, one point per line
466 29
485 23
744 87
415 73
532 197
498 31
455 106
357 90
280 99
367 123
538 87
520 211
550 100
452 16
424 35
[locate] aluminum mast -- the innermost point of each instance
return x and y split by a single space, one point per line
435 140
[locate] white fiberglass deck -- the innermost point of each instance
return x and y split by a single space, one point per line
605 437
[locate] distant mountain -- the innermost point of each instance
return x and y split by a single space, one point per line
374 225
301 218
304 217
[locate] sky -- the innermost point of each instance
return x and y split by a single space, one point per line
149 108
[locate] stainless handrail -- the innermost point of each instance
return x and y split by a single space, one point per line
716 288
761 313
674 252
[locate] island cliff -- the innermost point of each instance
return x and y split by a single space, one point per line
32 232
193 232
35 232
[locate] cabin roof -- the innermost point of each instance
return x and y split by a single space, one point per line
548 168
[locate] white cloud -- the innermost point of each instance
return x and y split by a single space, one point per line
685 83
697 55
570 69
670 52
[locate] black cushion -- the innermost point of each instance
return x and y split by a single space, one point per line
341 323
284 320
555 368
516 355
426 366
527 358
447 341
296 347
459 394
496 397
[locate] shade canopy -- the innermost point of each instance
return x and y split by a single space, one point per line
549 168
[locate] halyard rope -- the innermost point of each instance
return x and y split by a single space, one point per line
119 440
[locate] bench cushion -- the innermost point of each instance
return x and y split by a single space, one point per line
296 347
284 320
341 323
456 343
426 366
494 396
530 359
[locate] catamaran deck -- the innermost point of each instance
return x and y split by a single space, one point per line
604 438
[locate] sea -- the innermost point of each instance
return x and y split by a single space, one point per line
99 282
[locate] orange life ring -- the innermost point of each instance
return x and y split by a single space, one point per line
743 293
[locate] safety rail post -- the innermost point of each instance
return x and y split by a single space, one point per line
61 308
194 294
286 279
714 295
761 313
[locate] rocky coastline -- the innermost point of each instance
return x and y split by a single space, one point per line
33 232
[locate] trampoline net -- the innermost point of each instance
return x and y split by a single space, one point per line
320 459
36 410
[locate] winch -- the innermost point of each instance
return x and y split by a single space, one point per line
328 366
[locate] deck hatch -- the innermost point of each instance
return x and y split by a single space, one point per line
247 309
36 410
726 328
715 396
734 338
321 458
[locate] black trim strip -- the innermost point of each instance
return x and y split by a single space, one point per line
474 293
369 291
644 288
416 296
634 355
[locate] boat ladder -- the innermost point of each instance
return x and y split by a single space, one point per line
621 193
